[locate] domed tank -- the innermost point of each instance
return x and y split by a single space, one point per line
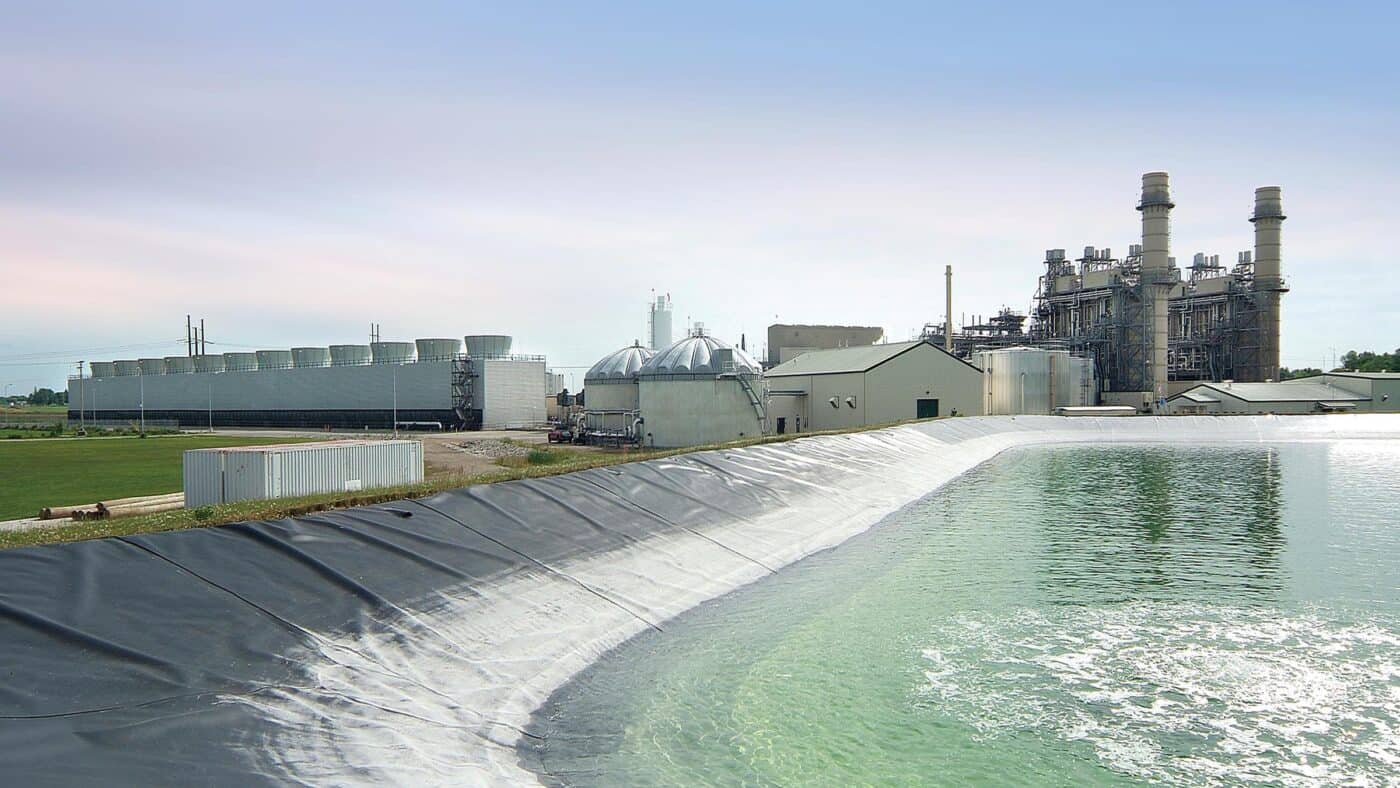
350 355
240 362
438 349
488 345
303 357
690 395
104 369
391 352
178 365
152 366
274 359
212 362
127 367
611 385
699 354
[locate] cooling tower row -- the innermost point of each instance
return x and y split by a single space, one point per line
480 346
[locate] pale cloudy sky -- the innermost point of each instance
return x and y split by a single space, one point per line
293 171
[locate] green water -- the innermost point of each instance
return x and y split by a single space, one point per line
1062 616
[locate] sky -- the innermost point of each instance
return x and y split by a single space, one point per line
292 172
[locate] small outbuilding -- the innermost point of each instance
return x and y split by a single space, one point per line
875 384
1230 398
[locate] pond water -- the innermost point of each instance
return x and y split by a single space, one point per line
1059 616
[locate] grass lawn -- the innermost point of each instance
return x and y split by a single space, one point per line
34 413
39 473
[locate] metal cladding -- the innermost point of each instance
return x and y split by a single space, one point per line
1031 381
619 365
391 352
438 349
104 369
211 362
350 355
304 357
1268 277
126 368
178 365
1157 277
274 359
488 345
698 355
152 366
216 476
240 362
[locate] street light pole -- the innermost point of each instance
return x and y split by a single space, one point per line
396 401
142 379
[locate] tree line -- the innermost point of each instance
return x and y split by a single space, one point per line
1352 361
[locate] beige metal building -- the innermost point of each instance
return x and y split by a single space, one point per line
879 384
787 342
1361 392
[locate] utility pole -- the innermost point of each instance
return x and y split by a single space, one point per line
203 344
189 338
142 378
396 400
81 396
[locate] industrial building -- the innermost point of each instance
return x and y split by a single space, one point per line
429 383
876 384
1024 380
699 390
612 399
786 342
1151 328
1331 392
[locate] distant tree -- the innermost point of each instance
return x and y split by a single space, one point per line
1368 361
1284 373
47 396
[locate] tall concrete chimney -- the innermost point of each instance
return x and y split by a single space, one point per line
948 324
1268 277
1156 208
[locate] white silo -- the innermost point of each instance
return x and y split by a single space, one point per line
304 357
350 355
610 393
392 352
438 349
274 359
697 391
659 323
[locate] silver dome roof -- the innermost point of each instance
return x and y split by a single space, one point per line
695 355
620 364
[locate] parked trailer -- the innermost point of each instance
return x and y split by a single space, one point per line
251 473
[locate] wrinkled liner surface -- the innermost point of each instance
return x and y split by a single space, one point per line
408 642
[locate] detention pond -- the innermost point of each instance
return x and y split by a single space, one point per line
1060 616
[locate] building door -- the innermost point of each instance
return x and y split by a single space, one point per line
782 425
926 408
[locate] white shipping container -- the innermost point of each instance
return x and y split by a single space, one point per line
249 473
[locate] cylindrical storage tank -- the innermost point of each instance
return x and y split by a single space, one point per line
178 365
488 345
127 367
311 357
152 366
438 349
274 359
211 362
240 362
1023 380
391 352
104 369
349 355
611 393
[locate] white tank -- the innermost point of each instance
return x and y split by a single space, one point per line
178 365
438 349
152 366
391 352
274 359
104 369
127 367
1023 380
212 362
240 362
303 357
350 355
488 345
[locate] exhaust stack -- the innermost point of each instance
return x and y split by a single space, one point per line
948 324
1156 208
1268 277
